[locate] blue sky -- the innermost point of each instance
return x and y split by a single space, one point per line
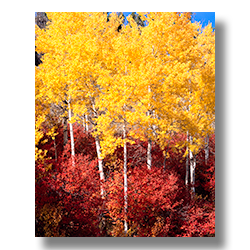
203 17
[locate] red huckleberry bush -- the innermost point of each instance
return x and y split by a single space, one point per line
69 201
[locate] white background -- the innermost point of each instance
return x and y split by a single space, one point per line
16 90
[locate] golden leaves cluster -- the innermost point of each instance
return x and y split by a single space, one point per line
154 80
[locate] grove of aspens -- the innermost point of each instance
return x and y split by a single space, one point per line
124 125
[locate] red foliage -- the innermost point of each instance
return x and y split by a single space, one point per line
75 187
152 196
199 219
77 183
205 173
84 143
68 201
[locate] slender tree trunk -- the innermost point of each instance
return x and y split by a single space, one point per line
164 162
65 122
125 171
206 148
192 170
187 165
165 158
125 182
100 164
98 151
99 158
71 133
86 123
65 131
149 113
71 136
187 169
149 154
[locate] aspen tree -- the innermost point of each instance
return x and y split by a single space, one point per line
202 108
206 148
145 83
119 101
201 112
167 69
72 45
53 73
183 53
207 95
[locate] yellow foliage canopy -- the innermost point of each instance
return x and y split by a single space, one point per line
155 80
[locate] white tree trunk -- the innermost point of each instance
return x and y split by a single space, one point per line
100 165
125 182
187 169
187 164
192 170
98 151
149 154
206 148
65 131
165 158
86 123
164 161
71 133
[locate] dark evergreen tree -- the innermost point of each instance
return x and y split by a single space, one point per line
137 19
41 21
120 15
